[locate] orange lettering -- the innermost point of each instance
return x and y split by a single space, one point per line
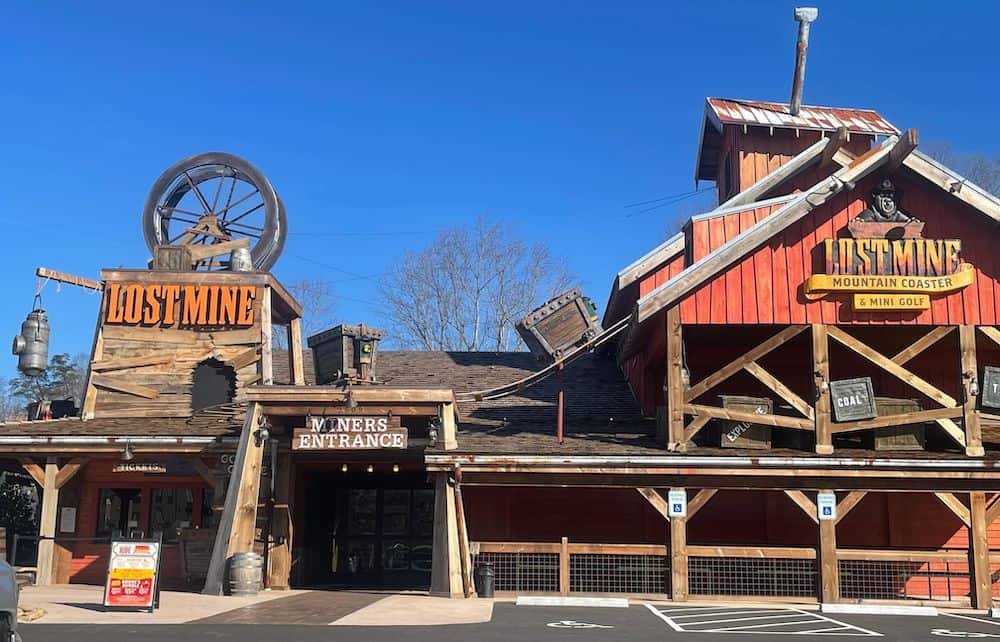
133 304
934 257
247 294
170 296
194 304
115 311
152 313
227 306
213 305
902 257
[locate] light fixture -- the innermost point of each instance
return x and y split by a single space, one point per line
343 468
349 401
395 468
432 429
370 468
127 454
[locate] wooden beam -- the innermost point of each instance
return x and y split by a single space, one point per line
794 166
979 552
124 385
71 279
990 332
803 502
847 504
916 417
243 359
891 367
678 557
903 148
285 395
126 363
35 471
759 552
699 501
281 531
740 362
236 525
675 378
202 252
690 431
446 565
564 566
922 344
833 145
783 391
47 524
780 421
295 352
970 373
829 567
68 471
655 500
266 367
733 250
465 560
993 510
955 506
821 377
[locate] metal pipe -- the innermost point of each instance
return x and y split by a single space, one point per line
559 407
695 460
804 16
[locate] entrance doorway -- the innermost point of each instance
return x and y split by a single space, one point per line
369 530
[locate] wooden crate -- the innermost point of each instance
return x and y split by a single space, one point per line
345 351
174 258
740 434
908 437
558 326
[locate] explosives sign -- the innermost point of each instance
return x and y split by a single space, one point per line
184 306
852 399
351 432
132 574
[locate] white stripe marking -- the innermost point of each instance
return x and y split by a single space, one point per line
678 617
756 626
974 619
845 624
663 617
742 619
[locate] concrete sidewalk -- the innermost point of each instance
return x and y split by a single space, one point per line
81 604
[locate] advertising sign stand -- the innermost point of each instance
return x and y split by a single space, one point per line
133 578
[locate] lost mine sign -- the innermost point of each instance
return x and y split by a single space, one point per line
350 432
184 306
852 399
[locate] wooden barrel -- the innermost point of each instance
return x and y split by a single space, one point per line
246 572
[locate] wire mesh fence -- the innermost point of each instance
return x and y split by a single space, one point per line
904 580
761 577
522 572
603 573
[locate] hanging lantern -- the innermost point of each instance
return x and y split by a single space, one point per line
32 345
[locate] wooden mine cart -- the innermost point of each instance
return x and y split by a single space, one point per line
561 324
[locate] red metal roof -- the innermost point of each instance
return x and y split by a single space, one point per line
766 114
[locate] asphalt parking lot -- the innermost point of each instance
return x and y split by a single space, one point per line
639 622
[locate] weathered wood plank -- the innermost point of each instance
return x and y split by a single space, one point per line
955 506
69 470
917 417
763 552
807 505
699 500
692 429
202 252
124 385
767 183
295 352
847 504
678 557
903 148
970 372
749 417
675 377
655 500
979 552
740 362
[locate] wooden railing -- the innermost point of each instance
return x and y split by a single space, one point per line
909 575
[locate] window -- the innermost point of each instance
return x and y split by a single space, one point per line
171 509
118 511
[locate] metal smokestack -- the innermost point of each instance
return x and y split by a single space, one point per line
804 16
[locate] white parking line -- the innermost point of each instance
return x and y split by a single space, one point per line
766 621
974 619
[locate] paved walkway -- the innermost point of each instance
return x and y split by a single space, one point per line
81 604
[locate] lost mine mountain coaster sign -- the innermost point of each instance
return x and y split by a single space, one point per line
350 432
182 306
887 265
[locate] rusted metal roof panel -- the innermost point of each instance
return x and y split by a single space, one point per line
726 111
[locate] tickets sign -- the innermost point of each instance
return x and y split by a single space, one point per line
132 574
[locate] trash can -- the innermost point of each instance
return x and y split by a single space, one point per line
246 572
484 580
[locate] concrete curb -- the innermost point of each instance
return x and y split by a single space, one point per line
878 609
606 602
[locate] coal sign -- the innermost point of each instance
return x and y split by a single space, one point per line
852 399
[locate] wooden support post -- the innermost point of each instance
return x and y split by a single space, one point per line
295 352
821 374
970 373
280 557
564 566
465 560
829 568
449 426
675 381
979 552
47 524
678 557
239 515
266 363
446 574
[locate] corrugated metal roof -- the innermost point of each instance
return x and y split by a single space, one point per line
766 114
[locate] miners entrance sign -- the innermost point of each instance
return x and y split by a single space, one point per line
350 432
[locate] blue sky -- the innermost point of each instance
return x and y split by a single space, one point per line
380 123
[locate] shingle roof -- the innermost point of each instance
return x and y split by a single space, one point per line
197 426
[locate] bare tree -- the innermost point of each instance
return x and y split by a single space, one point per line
467 289
316 298
977 167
